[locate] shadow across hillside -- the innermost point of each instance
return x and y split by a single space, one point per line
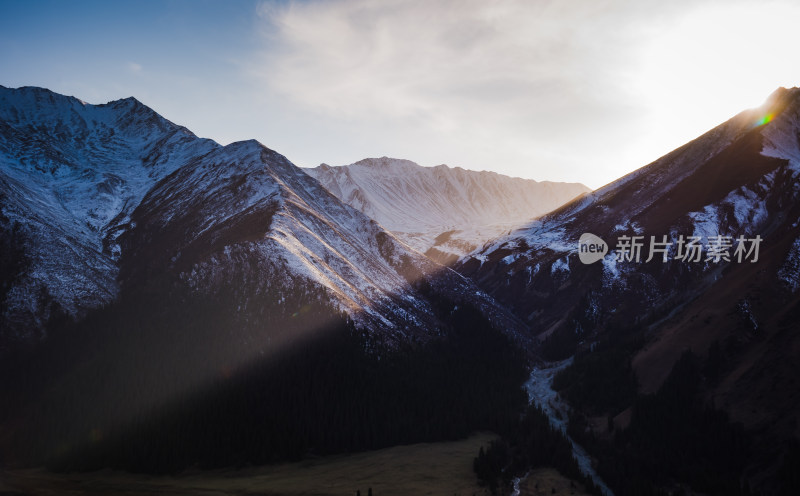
167 378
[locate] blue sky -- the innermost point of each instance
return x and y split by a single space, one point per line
575 91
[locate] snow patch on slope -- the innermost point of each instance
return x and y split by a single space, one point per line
560 266
749 213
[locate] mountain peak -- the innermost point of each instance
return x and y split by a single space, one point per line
35 96
131 100
778 101
782 93
250 145
386 162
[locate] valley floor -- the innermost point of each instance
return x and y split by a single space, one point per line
430 468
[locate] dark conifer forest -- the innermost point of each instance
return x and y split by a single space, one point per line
134 386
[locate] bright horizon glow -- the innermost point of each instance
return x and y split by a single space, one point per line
583 92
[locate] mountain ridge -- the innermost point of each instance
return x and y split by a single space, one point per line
111 169
442 211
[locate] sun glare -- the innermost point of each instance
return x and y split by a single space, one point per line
706 64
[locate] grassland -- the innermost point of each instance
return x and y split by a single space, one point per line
419 469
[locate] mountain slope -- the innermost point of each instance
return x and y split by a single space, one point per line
70 175
445 212
721 183
738 315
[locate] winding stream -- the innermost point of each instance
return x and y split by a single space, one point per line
540 392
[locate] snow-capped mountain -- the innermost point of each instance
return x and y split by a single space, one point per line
740 179
70 175
442 211
97 198
243 216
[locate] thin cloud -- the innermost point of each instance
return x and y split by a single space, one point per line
551 84
440 60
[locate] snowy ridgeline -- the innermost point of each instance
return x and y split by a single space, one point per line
451 209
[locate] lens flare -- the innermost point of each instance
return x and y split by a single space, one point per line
767 118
